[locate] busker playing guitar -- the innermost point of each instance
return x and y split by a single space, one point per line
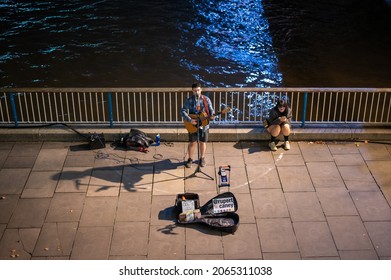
196 113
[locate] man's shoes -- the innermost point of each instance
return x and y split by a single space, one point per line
202 162
189 163
287 146
273 146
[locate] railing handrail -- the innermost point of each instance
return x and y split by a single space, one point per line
188 89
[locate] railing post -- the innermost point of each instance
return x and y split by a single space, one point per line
13 108
304 109
110 105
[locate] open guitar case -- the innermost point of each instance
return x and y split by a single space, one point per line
217 213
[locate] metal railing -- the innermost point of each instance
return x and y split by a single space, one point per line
162 106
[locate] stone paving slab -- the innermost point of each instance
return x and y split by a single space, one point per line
295 179
304 207
12 181
130 238
8 206
18 161
314 239
66 207
358 178
325 175
262 176
18 243
74 179
315 153
380 170
99 211
40 184
56 239
46 162
137 178
243 245
134 207
348 159
212 240
358 255
269 203
167 242
336 202
320 200
92 243
277 235
29 213
246 210
379 232
238 180
25 149
349 233
372 206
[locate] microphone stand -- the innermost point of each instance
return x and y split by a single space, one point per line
198 169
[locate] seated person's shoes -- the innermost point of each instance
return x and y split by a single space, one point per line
287 145
272 146
189 163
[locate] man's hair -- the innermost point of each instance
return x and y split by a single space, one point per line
195 85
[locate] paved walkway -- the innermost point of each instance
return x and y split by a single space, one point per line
60 200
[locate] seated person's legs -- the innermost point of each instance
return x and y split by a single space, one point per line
274 131
286 130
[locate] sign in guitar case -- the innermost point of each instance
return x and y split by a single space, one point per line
218 213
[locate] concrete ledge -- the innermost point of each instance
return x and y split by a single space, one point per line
179 134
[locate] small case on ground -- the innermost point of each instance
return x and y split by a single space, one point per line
224 175
218 213
97 141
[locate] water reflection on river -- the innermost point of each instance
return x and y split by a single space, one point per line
129 43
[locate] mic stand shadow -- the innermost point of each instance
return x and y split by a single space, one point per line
198 169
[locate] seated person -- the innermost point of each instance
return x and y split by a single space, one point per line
280 122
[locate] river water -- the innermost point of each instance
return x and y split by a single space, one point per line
118 43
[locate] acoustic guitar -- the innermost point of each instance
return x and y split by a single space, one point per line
203 120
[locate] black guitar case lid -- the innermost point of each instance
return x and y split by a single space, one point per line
218 213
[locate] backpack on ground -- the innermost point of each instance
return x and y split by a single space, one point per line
136 139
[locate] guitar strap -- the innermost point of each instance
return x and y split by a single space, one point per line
205 105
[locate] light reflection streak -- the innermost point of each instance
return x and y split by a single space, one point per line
235 37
